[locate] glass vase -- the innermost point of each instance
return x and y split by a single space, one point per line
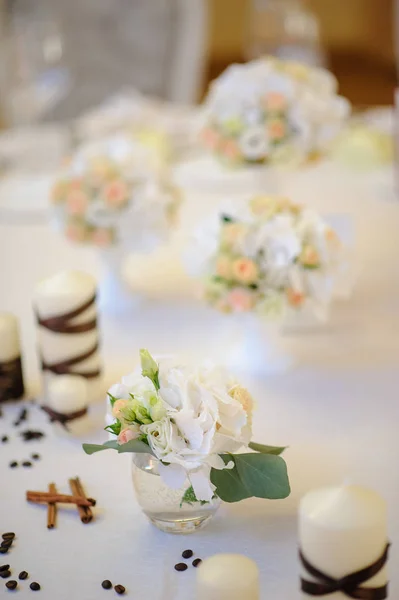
163 505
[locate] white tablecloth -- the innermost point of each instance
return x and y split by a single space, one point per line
337 409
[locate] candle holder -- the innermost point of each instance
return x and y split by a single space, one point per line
184 427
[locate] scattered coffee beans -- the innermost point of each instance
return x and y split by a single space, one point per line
4 439
187 554
8 535
107 585
6 543
12 584
23 575
5 574
4 550
35 456
13 464
26 463
180 567
4 568
119 589
34 586
31 434
197 562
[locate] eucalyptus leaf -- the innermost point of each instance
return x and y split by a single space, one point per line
132 446
263 449
229 486
264 475
93 448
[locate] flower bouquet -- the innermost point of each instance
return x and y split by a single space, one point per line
184 427
261 114
269 257
114 195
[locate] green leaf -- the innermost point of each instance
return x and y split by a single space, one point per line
189 497
114 428
227 219
267 449
132 446
93 448
264 475
112 399
229 486
135 446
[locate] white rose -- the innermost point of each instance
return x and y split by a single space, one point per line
253 143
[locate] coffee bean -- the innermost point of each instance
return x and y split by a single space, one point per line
180 567
6 543
187 554
34 586
35 456
119 589
23 575
13 464
12 584
5 574
8 535
4 568
107 585
16 423
4 550
27 463
197 562
4 439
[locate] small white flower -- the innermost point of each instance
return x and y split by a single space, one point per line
254 143
99 215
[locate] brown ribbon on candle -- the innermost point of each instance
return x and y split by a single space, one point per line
63 418
11 380
61 324
350 585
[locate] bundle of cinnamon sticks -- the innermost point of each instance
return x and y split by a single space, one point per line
52 499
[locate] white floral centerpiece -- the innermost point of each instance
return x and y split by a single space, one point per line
115 195
115 192
272 111
192 422
270 256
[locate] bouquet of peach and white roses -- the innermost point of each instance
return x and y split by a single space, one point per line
271 110
114 191
194 421
273 257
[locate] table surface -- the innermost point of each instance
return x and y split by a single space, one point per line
337 408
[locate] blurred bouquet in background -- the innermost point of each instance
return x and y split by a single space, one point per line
115 191
272 111
271 256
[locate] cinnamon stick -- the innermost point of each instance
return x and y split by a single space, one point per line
85 512
52 508
51 498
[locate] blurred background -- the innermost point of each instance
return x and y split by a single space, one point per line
60 58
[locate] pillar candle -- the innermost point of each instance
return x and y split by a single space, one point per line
68 341
67 396
227 577
341 531
11 381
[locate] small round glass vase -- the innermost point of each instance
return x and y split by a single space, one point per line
168 509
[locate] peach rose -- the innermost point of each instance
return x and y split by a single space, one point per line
102 237
116 193
129 433
309 257
245 270
210 138
241 300
118 406
231 149
77 202
276 129
275 101
295 298
223 267
243 396
232 233
76 232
